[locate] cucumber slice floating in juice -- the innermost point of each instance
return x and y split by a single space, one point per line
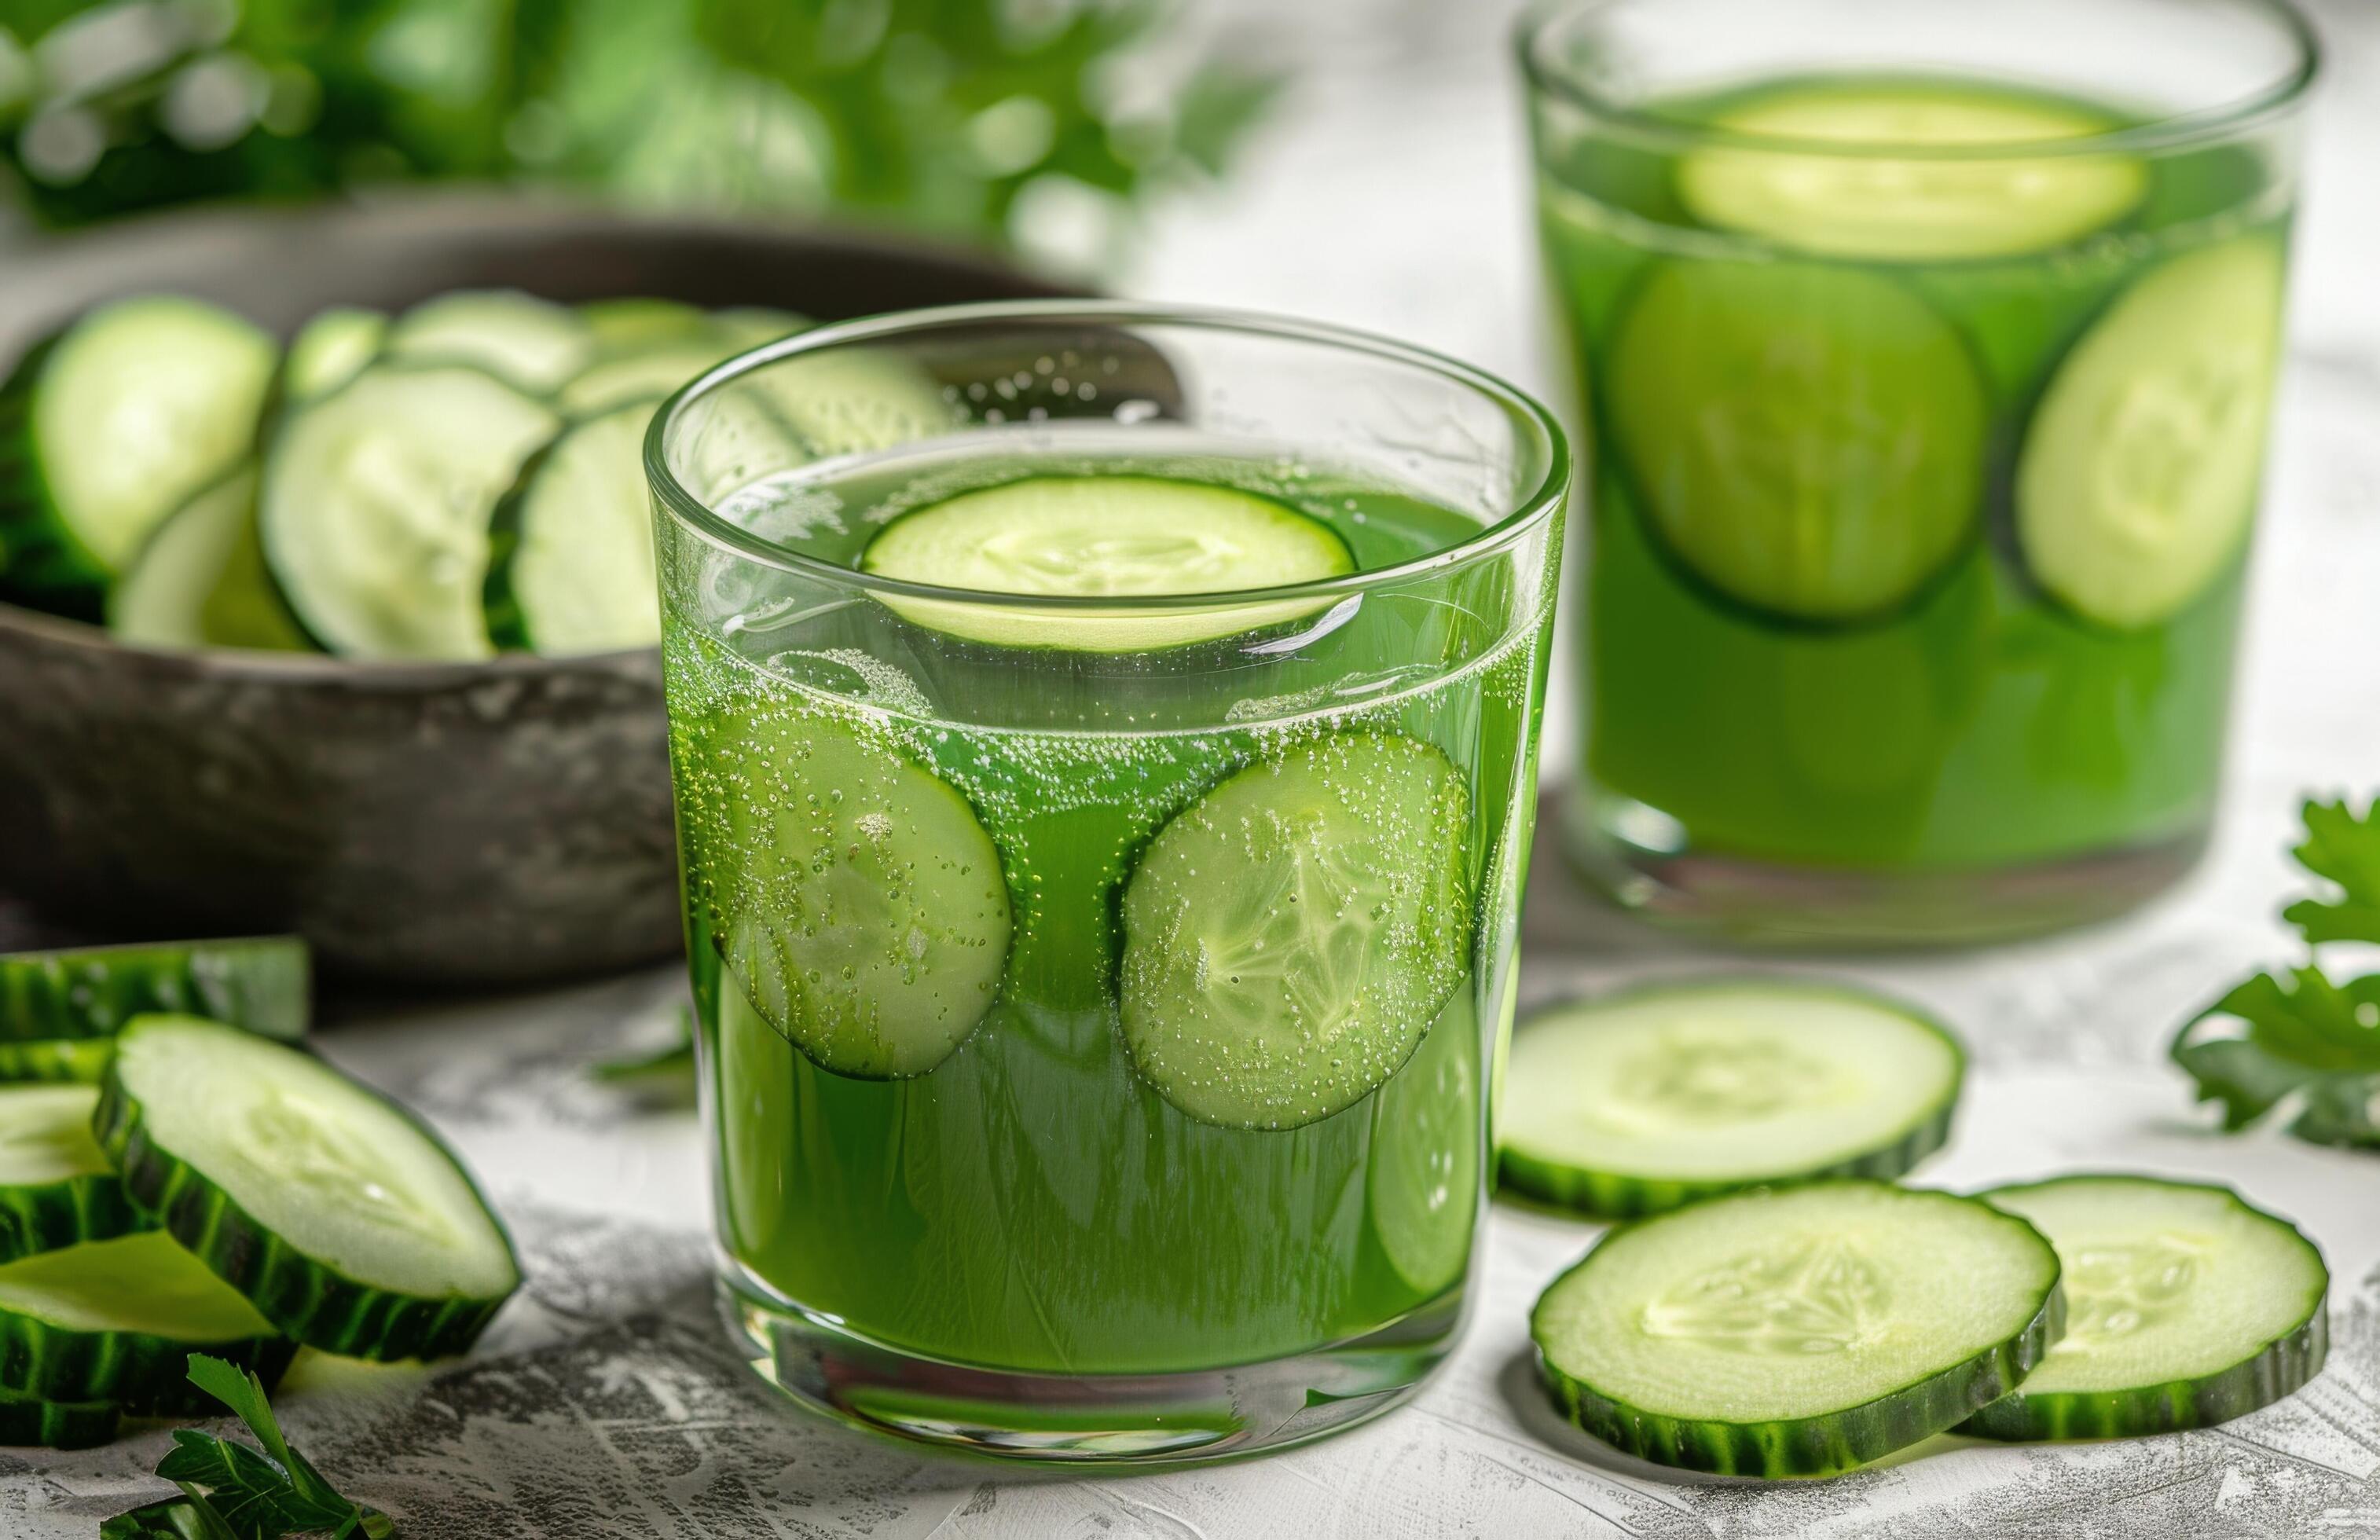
1104 536
530 342
2185 1307
201 581
1941 202
852 892
1422 1181
30 1421
1807 441
1657 1096
1289 936
2137 482
258 982
1797 1332
571 565
343 1220
57 1186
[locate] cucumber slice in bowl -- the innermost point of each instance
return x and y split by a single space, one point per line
2137 482
571 565
332 349
344 1221
2185 1307
1657 1096
57 1186
199 580
1289 936
29 1421
1797 1332
533 344
260 983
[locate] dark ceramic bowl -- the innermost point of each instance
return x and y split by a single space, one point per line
501 822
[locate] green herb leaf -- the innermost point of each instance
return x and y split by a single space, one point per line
664 1074
175 1519
2346 849
2306 1041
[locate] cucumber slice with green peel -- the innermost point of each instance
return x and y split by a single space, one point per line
338 1215
746 327
332 349
57 1186
571 545
1421 1182
532 344
1807 441
853 894
1944 201
117 1320
1797 1332
1104 536
261 983
199 580
77 1060
2137 482
1289 936
2185 1307
30 1422
637 323
1657 1096
376 505
642 378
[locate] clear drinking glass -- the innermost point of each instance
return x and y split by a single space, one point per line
1926 354
1098 994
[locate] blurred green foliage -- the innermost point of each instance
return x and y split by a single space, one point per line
969 118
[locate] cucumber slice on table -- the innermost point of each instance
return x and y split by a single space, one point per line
112 425
1422 1181
1104 536
1289 936
376 507
330 350
2138 478
2185 1307
1807 441
343 1220
57 1185
199 580
261 983
1855 198
30 1421
1657 1096
571 568
850 891
117 1320
532 342
1797 1332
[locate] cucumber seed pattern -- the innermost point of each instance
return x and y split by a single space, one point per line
1817 1295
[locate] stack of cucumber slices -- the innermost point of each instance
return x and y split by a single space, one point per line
1777 1307
202 1183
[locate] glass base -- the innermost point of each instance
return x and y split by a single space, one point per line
1089 1419
1776 904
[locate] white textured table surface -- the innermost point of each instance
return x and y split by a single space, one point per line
607 1402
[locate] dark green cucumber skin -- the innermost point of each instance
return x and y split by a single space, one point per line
2280 1369
507 624
43 565
257 982
143 1375
26 1421
308 1300
75 1061
58 1214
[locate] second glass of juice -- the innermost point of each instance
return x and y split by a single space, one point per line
1104 746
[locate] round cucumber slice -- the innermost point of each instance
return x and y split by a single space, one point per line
1928 206
1657 1096
2185 1307
635 323
344 1220
1289 936
332 349
1421 1182
852 892
2137 482
1807 441
57 1186
199 580
257 982
571 563
1797 1332
30 1421
1098 537
532 342
643 377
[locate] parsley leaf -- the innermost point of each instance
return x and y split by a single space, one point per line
2345 849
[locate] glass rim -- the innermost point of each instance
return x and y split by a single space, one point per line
1533 34
1527 512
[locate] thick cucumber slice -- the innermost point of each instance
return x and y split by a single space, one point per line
376 507
80 1061
117 1320
56 1187
339 1216
2185 1307
642 378
29 1421
1099 535
1422 1185
852 892
1807 440
532 342
1937 204
1290 935
571 568
1797 1332
332 349
2138 478
261 983
1661 1096
199 580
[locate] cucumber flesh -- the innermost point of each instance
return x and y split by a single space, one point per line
1657 1096
1099 536
844 400
30 1421
261 983
2137 482
530 342
330 350
199 580
57 1186
1863 202
639 378
1797 1332
344 1220
746 327
2185 1307
1289 936
573 565
1422 1185
635 323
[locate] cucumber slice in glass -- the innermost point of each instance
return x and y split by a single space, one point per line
330 350
2185 1307
2137 482
199 580
532 342
29 1421
261 983
80 1060
571 564
1797 1332
344 1220
1939 205
57 1186
1421 1182
1807 441
117 1320
1657 1096
1289 936
1101 536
